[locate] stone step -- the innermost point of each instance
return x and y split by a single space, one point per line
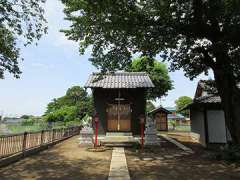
118 141
118 144
119 138
118 134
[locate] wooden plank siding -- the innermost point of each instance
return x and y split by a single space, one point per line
135 98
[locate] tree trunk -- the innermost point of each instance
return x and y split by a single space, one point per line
230 96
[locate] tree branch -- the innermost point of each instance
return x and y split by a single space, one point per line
208 60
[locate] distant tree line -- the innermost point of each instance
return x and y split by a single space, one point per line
73 106
181 103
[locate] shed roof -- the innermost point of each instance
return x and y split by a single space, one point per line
176 116
171 109
204 100
159 109
208 99
119 80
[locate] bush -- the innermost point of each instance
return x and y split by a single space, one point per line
25 116
71 107
27 122
64 114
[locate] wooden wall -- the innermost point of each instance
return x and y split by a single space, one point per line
161 121
135 97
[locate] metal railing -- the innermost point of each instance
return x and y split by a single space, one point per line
20 143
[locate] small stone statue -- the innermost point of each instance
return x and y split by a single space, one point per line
86 135
150 132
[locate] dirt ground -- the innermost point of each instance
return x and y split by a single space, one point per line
63 161
170 163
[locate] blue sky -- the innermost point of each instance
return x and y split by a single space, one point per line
53 66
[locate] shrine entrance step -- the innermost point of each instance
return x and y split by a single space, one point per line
118 134
119 139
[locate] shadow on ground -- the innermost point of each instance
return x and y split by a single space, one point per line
64 161
171 163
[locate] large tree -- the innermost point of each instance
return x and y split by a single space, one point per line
21 21
158 73
150 106
74 105
181 103
195 35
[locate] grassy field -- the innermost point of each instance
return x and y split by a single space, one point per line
179 128
19 128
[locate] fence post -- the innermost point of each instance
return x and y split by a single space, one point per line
53 135
62 133
42 134
56 134
24 143
79 129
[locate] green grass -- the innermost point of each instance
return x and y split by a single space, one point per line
180 127
183 128
16 128
19 128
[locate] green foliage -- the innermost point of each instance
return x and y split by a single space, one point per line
20 21
188 33
181 103
30 120
27 122
17 128
27 116
61 114
193 35
150 106
72 107
158 73
39 125
75 96
172 123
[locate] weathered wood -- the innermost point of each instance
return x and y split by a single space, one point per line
22 142
135 98
42 136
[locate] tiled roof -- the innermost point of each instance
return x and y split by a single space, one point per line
208 99
175 116
160 108
171 109
119 80
207 86
205 99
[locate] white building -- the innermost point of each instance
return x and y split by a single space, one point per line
207 117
